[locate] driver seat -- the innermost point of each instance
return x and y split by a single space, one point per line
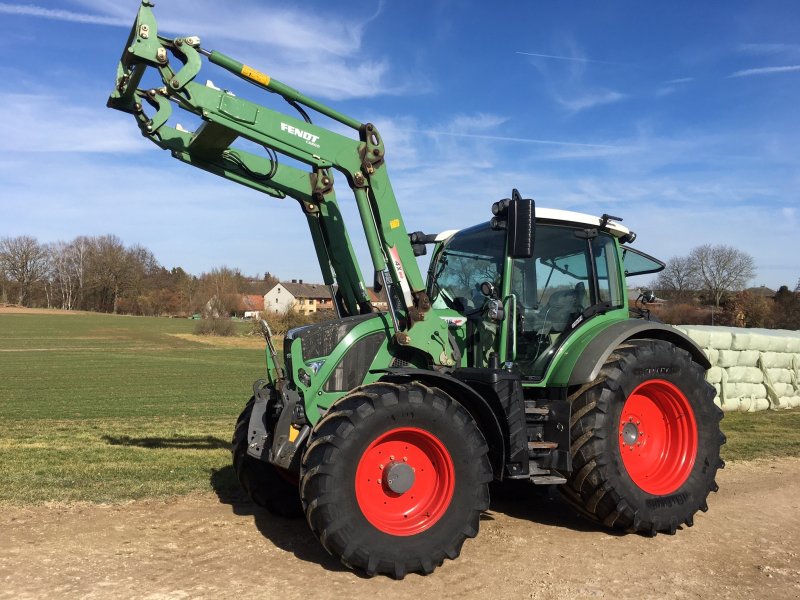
563 307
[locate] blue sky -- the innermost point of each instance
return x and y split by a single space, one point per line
680 117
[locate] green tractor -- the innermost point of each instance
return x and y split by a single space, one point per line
516 359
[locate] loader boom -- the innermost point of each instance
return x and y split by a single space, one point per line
227 117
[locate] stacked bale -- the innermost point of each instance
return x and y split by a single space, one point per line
752 369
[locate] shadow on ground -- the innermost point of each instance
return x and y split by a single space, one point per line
290 535
191 442
519 500
539 504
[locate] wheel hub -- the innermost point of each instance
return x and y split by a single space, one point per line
399 477
630 434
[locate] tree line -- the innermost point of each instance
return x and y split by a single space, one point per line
101 273
709 285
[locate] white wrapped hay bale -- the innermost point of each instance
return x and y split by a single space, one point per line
745 375
759 342
748 358
741 340
752 369
728 358
780 375
698 334
777 343
712 354
758 404
721 339
746 390
714 376
783 390
776 360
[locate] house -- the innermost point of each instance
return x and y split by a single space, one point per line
250 306
305 298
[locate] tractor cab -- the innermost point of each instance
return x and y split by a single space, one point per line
532 303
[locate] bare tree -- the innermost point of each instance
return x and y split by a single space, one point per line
79 259
24 260
220 290
721 269
110 269
3 284
678 279
60 257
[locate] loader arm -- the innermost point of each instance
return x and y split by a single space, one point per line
227 117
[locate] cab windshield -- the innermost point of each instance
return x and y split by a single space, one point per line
469 258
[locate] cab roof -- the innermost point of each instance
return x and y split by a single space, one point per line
554 215
568 216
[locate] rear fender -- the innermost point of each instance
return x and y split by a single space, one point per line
598 350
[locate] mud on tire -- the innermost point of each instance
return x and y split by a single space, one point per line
380 437
645 440
264 484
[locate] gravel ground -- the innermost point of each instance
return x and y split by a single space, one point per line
203 546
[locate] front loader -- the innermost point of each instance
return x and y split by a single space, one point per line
517 358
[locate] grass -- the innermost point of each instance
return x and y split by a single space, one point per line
110 408
106 408
763 434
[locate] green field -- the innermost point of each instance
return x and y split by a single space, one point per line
107 408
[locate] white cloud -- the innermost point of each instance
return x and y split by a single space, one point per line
765 71
571 87
568 58
322 53
30 10
770 48
502 138
48 123
587 101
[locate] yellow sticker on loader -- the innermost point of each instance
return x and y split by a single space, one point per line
255 75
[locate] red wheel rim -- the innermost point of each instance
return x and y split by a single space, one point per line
405 481
658 437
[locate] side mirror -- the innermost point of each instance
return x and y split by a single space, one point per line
647 296
518 216
521 223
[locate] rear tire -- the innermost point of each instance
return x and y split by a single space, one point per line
645 440
265 485
395 478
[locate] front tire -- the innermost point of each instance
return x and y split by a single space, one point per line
645 440
395 478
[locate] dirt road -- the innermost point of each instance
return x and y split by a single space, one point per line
202 546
